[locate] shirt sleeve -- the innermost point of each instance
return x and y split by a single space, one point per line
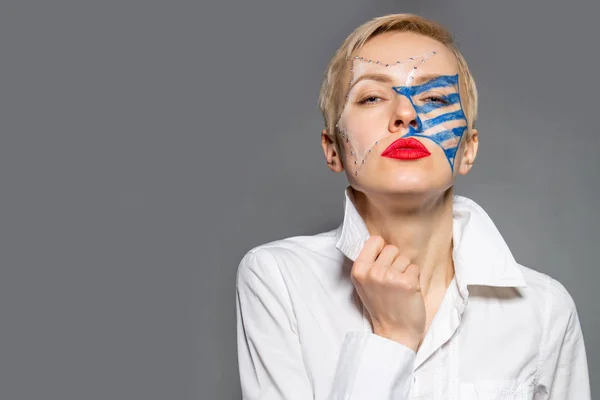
269 353
373 367
565 371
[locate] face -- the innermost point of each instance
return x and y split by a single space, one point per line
403 124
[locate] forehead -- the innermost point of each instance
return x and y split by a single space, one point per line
391 47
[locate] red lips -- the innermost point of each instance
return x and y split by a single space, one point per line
406 149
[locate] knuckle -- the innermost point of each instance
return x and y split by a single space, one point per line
412 284
376 239
402 260
391 280
416 271
371 272
374 275
391 249
358 274
403 283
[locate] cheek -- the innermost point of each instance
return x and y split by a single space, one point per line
446 127
363 128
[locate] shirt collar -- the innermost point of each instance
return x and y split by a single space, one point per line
481 256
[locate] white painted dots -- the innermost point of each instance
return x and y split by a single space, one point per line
420 59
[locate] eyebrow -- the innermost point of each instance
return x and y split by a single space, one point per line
383 78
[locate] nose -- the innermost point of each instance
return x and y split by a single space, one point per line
404 116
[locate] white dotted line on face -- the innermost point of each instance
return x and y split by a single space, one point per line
422 59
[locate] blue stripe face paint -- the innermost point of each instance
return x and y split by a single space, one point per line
448 110
379 93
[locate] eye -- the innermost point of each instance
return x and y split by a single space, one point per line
436 99
369 100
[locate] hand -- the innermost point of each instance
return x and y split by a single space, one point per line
388 285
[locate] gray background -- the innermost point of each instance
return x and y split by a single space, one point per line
146 146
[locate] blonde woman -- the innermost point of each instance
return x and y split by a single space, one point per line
415 295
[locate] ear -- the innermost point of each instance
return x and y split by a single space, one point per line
469 153
332 156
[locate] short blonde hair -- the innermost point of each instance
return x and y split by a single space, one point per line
335 82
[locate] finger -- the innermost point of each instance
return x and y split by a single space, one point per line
412 271
386 257
413 275
367 256
400 264
371 249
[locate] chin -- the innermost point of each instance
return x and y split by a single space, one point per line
410 182
405 179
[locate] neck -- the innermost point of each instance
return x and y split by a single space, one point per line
421 228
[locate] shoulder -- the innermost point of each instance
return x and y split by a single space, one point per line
549 295
546 286
292 253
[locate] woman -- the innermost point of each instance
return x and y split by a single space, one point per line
415 295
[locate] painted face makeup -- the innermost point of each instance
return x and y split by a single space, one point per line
379 92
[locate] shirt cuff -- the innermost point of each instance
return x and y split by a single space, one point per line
372 366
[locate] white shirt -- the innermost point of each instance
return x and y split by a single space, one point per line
503 331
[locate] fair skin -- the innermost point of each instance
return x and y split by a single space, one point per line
404 269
